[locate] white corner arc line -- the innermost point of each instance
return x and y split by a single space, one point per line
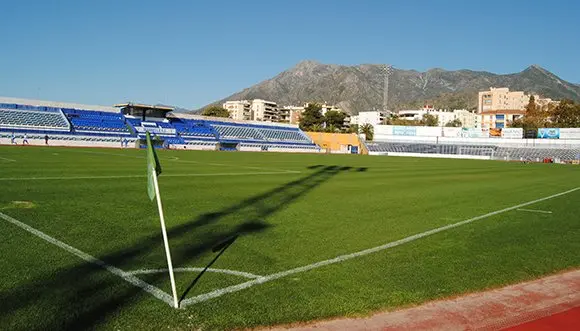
535 211
164 175
195 269
342 258
156 292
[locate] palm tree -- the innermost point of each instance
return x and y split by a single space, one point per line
331 128
317 128
368 131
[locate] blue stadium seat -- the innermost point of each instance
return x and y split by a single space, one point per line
87 121
32 119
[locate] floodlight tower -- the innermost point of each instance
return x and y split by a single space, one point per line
387 71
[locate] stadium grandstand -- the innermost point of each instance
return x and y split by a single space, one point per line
68 124
125 125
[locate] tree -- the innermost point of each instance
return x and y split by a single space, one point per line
566 115
533 118
334 118
368 131
311 117
353 128
215 111
396 120
456 123
531 106
331 128
430 120
316 128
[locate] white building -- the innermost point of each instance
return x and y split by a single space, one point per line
326 108
253 110
264 110
467 118
369 117
354 119
239 110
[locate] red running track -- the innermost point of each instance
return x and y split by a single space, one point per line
550 303
564 321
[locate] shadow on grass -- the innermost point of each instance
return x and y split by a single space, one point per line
85 296
221 248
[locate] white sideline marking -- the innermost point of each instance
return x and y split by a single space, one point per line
176 159
164 175
535 211
342 258
6 159
231 165
221 271
156 292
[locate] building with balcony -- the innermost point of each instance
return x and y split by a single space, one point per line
502 98
240 110
263 110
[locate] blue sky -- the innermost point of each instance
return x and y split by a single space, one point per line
190 53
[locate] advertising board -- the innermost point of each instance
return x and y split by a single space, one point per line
512 133
475 133
570 133
404 130
548 133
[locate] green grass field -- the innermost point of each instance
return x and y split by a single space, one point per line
279 212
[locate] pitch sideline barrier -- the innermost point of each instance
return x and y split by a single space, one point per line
432 155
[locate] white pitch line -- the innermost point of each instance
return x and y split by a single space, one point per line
535 211
143 176
176 159
221 271
6 159
342 258
231 165
156 292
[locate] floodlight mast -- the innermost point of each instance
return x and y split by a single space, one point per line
387 71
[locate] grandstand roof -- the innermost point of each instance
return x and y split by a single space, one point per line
140 106
230 120
57 104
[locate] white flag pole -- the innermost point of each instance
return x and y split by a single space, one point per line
165 241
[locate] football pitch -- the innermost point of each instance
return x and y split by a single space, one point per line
262 239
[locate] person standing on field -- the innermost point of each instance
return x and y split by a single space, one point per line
46 139
25 140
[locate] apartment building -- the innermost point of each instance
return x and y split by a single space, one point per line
502 98
369 117
499 118
263 110
290 114
253 110
240 110
498 107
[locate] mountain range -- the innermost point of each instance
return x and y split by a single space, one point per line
359 88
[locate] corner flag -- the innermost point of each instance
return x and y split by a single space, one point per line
153 170
153 167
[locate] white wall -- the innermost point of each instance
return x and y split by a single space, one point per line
35 141
429 155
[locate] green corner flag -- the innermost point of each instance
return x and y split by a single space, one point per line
153 170
153 167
